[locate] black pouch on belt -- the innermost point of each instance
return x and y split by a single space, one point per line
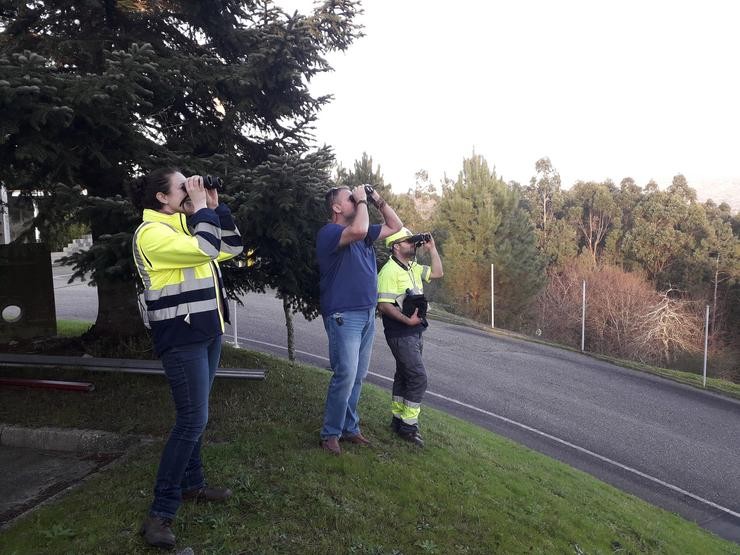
415 301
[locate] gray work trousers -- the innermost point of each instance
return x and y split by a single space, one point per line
410 380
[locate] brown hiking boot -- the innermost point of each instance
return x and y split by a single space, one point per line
157 532
331 445
207 494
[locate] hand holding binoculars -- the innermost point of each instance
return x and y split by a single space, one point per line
210 182
369 191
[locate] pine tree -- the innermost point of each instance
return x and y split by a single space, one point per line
279 209
365 173
482 222
93 93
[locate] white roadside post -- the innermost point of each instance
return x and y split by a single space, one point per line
234 324
706 341
5 214
583 318
36 232
493 305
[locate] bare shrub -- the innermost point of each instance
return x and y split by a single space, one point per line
560 306
625 316
666 328
615 302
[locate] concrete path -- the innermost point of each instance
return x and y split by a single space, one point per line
39 463
37 475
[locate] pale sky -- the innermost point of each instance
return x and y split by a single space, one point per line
644 89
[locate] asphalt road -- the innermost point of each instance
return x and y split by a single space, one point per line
673 445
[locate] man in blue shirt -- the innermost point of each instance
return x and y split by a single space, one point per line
348 288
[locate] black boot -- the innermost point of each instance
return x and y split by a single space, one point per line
412 437
157 531
395 424
410 433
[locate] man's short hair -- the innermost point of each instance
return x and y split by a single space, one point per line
330 198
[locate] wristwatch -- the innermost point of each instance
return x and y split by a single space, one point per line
363 201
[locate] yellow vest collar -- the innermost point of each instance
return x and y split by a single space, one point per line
177 221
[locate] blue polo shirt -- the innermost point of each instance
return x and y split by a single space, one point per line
349 275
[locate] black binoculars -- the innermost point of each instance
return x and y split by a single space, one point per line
210 182
420 238
369 190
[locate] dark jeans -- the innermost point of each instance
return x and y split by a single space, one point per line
409 381
190 370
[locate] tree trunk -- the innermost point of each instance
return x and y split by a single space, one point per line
291 331
118 311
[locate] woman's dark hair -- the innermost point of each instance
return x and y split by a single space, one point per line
144 189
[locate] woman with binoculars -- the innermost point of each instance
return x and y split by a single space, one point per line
184 234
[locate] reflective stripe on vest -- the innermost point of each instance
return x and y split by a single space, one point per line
191 296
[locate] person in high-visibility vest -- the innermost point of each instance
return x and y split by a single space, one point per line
184 234
403 308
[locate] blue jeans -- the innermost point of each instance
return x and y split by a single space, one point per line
190 370
351 336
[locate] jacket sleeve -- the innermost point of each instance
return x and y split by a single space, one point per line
386 287
231 239
165 249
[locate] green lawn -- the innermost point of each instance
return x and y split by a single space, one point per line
469 491
71 328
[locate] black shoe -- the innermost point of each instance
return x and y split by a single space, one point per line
157 532
395 424
412 437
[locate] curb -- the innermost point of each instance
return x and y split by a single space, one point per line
62 439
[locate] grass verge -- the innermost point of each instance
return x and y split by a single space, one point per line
725 387
72 328
469 491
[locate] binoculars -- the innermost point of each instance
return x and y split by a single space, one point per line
369 190
420 238
210 182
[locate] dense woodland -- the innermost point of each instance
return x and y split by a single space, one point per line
652 259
